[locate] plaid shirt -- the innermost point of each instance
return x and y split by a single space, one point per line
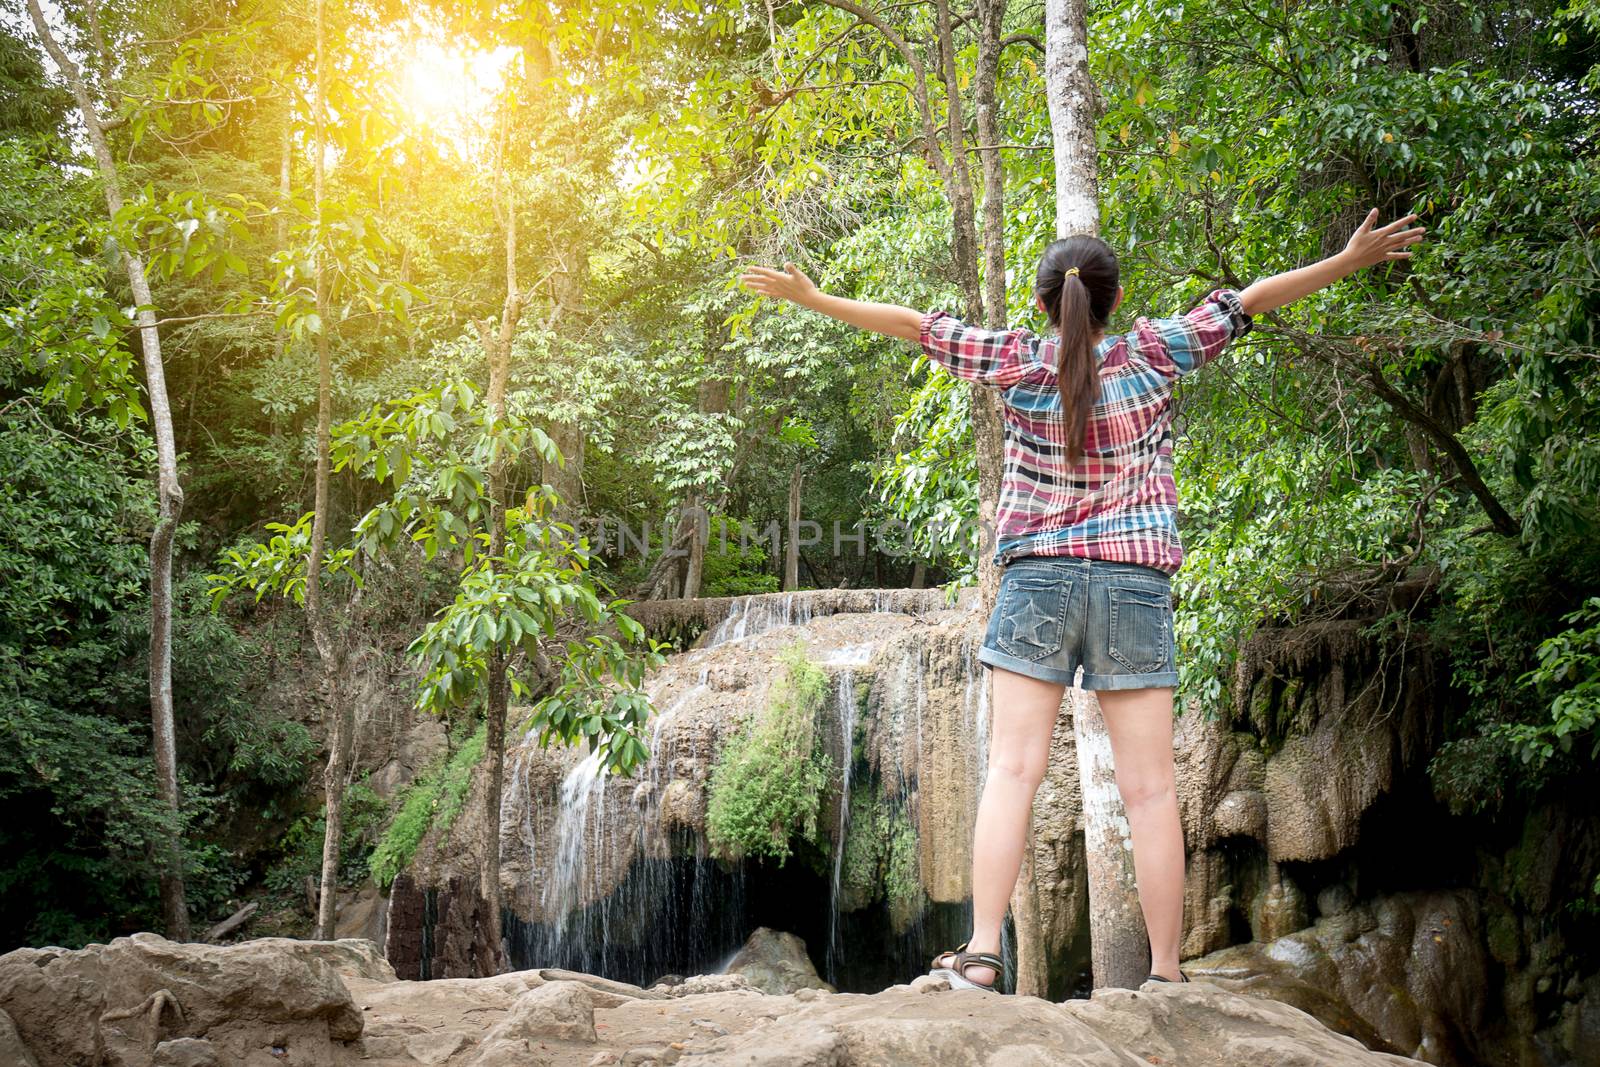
1119 503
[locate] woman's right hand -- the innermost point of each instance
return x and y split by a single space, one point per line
789 284
1368 246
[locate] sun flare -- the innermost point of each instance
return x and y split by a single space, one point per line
446 85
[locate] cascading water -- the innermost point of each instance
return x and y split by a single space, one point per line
846 659
619 879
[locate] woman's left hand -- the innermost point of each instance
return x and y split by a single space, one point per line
789 284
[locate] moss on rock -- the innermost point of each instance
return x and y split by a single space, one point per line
768 782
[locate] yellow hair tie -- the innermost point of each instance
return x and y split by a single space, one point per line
1069 270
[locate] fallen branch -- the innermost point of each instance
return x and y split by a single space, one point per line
232 922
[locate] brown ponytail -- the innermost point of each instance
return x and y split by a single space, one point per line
1077 281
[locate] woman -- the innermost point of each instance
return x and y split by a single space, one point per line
1088 540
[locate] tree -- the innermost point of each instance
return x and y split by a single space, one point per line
1116 930
170 493
528 616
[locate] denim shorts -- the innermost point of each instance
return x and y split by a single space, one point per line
1057 613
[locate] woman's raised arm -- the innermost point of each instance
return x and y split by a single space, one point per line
792 285
1365 248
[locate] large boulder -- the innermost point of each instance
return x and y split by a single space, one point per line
553 1012
12 1051
147 1002
1407 972
774 961
1195 1025
259 1002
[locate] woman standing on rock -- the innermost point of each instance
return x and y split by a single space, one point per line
1088 540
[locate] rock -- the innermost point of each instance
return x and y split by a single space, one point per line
1280 909
384 1048
1193 1025
12 1050
555 1011
1406 973
526 1021
352 957
1335 899
186 1052
362 914
930 983
683 804
1581 1023
388 1004
116 1002
710 983
1201 1023
434 1049
610 992
1241 813
776 962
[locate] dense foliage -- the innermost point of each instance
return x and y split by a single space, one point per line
1435 422
767 786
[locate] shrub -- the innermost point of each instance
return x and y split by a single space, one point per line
768 781
435 798
301 856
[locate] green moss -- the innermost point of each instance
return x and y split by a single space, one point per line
435 798
769 779
902 876
880 858
866 841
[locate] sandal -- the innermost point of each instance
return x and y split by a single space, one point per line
955 970
1162 978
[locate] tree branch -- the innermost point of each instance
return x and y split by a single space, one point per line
1499 517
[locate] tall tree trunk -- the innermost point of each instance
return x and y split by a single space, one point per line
336 714
695 567
175 911
1116 926
711 398
791 540
988 424
285 190
986 303
498 349
566 478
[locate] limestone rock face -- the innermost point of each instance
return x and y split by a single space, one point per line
12 1050
1348 968
1322 726
113 1004
776 962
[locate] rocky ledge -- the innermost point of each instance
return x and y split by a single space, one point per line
143 1001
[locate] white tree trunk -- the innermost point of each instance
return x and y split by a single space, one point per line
169 492
1116 925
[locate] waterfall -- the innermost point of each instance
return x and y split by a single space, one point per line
613 875
847 658
582 790
753 616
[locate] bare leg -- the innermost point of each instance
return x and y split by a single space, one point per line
1140 724
1025 711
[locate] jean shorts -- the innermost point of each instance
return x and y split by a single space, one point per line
1055 614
